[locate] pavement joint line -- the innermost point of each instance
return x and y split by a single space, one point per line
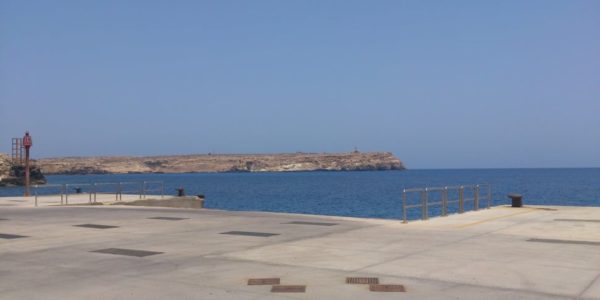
567 242
493 219
589 286
422 251
293 239
579 220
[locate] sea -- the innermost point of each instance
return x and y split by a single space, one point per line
367 194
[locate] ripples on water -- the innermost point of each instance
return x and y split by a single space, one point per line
360 194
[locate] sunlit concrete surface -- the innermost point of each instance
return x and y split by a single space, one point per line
487 254
71 199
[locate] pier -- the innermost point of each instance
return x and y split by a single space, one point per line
100 252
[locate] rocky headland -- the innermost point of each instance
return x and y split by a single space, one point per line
288 162
14 173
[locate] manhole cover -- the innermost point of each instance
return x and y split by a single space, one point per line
565 242
312 223
168 218
578 220
263 281
387 288
362 280
10 236
250 233
97 226
128 252
288 289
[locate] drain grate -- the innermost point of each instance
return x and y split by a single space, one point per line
97 226
10 236
312 223
168 218
250 233
579 220
362 280
288 289
590 243
128 252
387 288
263 281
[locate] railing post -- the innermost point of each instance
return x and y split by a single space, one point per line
489 195
476 197
66 194
403 205
424 208
445 201
461 199
35 188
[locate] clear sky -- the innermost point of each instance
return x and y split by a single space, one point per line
441 84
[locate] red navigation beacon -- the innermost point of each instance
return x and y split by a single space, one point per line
27 140
26 144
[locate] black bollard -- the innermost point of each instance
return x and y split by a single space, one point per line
180 192
516 199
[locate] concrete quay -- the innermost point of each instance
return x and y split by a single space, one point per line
74 252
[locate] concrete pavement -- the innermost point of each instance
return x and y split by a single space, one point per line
499 253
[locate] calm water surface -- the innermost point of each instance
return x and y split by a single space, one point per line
360 194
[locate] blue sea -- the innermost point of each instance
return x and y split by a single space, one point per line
373 194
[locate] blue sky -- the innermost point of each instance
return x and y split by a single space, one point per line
441 84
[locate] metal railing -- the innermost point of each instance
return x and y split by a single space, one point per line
474 195
103 188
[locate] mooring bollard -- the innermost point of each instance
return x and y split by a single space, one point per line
516 199
201 200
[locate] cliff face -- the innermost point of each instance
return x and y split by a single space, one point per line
5 166
223 163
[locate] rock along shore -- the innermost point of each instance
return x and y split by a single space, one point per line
287 162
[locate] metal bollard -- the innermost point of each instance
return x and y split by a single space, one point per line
516 199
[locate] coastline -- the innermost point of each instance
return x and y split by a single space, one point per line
221 163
